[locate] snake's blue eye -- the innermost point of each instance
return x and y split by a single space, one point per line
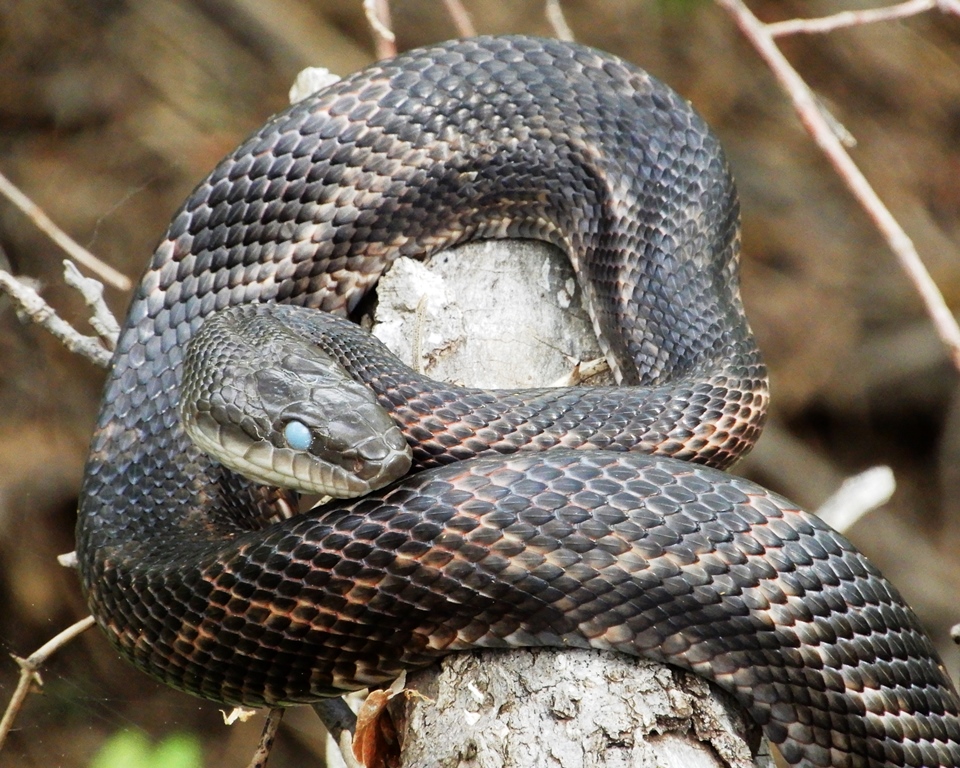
297 435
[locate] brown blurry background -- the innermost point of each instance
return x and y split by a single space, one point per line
111 110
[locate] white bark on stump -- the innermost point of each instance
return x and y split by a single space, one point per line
568 709
507 314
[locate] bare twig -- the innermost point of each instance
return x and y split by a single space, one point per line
805 104
850 18
270 726
558 21
378 17
61 238
582 371
32 305
856 496
341 723
30 672
102 320
461 19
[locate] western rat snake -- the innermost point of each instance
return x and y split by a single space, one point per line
190 575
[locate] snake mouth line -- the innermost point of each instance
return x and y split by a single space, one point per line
287 468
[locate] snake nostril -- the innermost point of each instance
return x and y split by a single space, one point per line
374 450
391 465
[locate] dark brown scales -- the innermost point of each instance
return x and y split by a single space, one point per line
494 137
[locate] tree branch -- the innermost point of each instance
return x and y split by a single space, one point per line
378 17
43 222
850 18
102 319
818 126
558 21
30 672
32 306
267 737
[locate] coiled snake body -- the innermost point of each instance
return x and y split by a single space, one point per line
513 535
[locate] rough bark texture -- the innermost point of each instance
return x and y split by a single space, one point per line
508 314
491 314
569 709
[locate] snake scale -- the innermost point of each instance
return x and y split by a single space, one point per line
510 533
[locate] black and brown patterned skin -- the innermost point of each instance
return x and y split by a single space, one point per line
551 546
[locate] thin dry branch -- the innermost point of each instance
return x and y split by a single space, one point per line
30 672
461 19
378 17
856 496
31 305
819 128
558 21
850 18
267 737
76 251
102 319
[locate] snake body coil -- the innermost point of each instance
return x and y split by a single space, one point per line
548 545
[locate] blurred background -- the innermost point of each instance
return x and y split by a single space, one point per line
111 110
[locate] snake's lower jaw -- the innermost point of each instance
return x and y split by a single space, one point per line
304 473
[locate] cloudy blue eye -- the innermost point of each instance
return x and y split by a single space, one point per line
297 435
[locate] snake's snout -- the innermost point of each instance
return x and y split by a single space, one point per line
367 446
382 459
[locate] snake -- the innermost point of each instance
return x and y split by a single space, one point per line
584 517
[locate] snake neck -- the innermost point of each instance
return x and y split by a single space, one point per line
710 416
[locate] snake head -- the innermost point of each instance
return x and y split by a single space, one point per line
279 411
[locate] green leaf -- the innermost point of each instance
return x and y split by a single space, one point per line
180 750
131 749
125 749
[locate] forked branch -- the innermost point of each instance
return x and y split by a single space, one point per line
859 18
814 120
30 672
31 305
